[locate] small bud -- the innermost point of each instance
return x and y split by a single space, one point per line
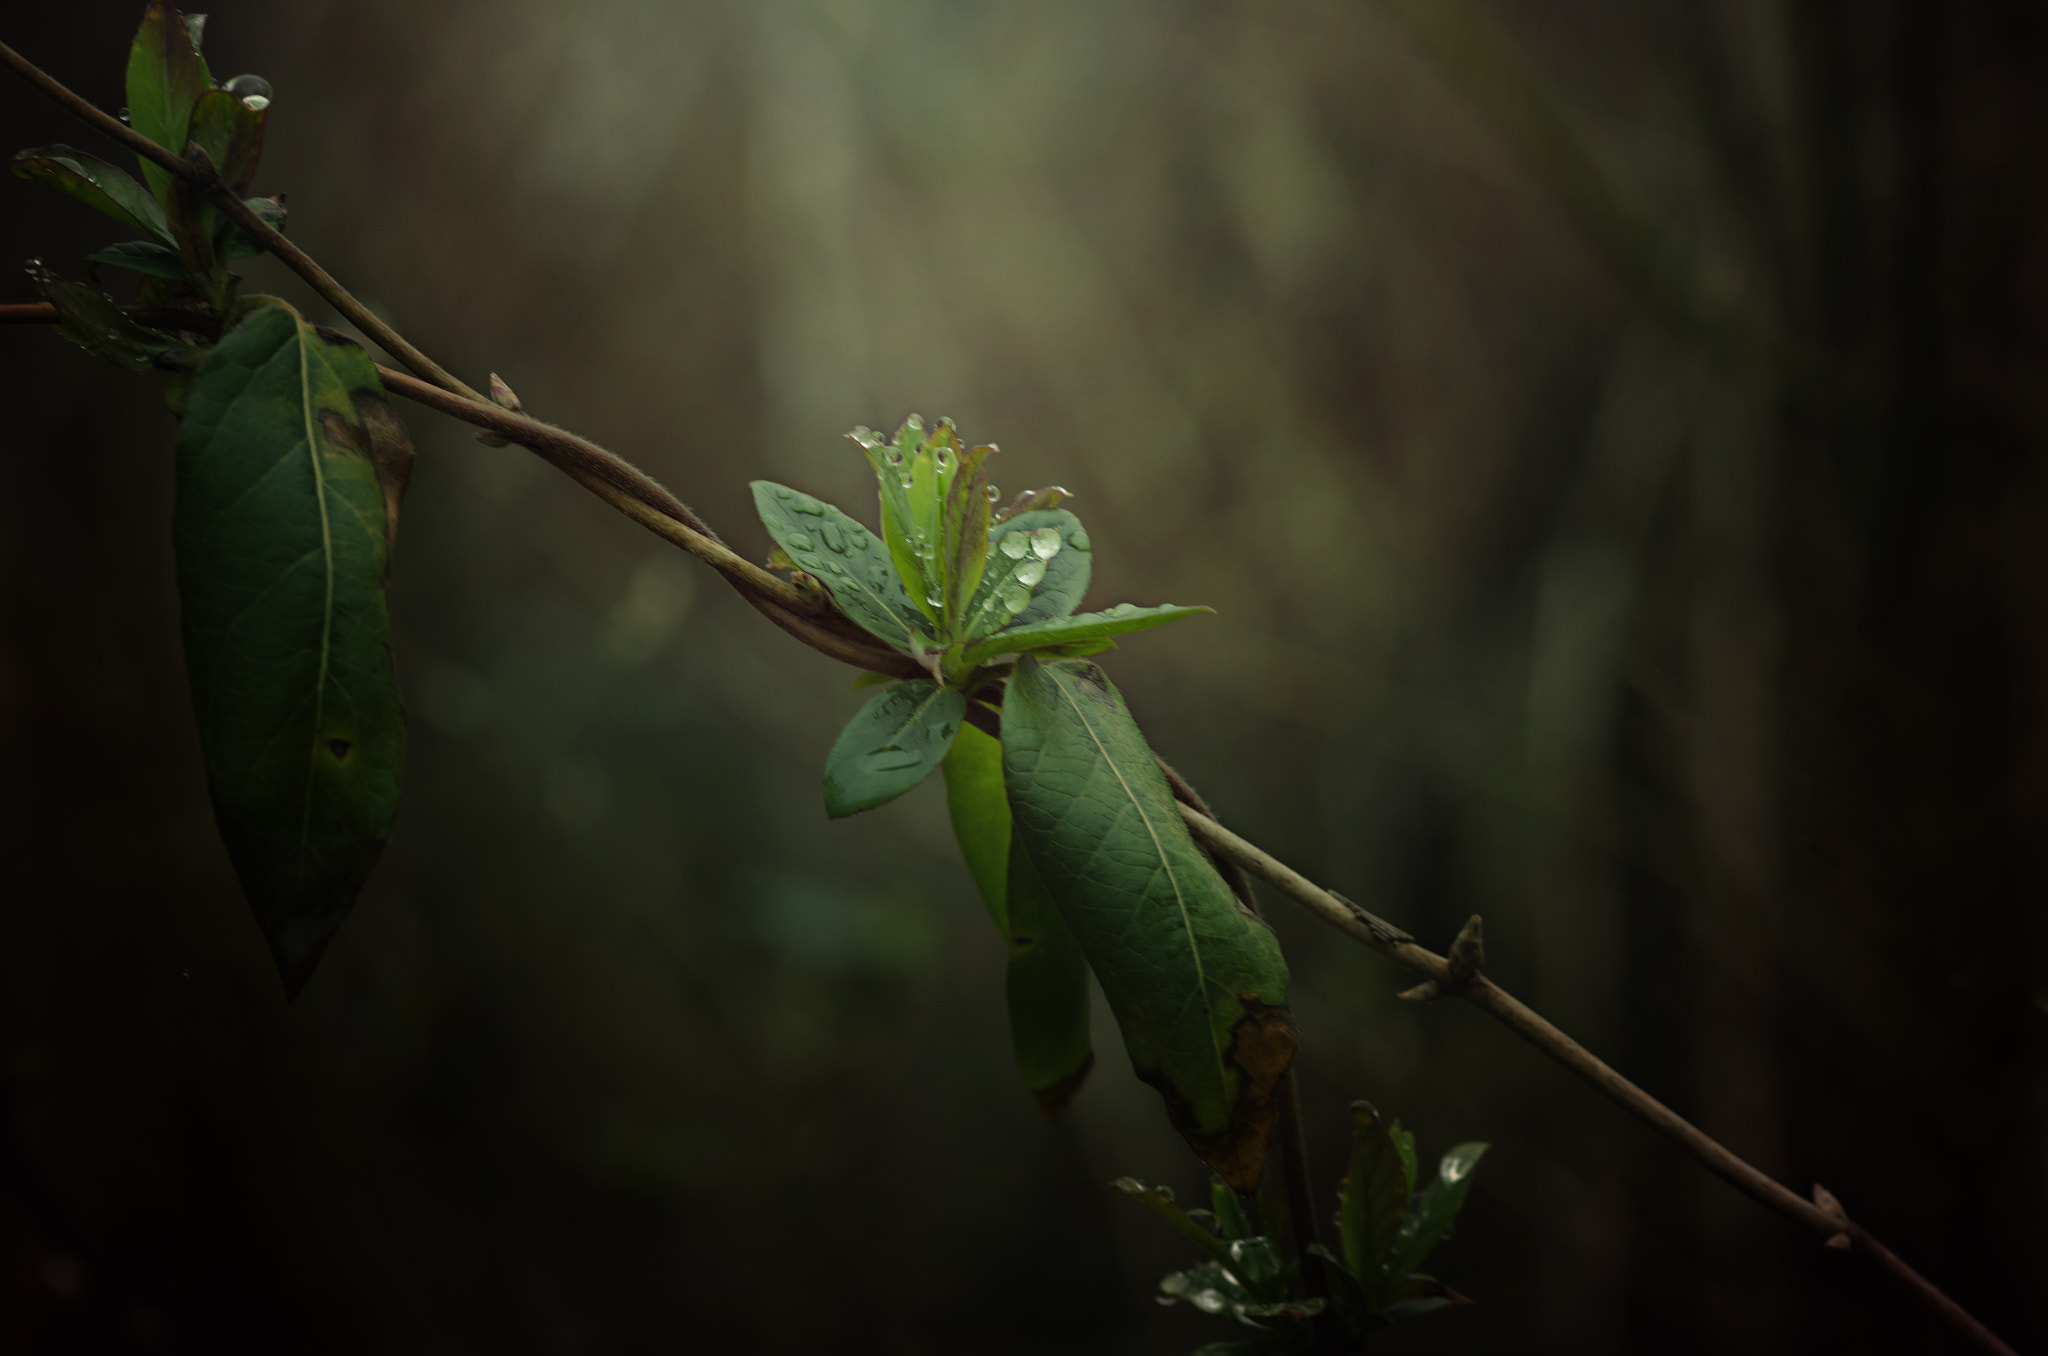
505 398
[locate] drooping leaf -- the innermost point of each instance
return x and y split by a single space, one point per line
1038 568
891 745
981 817
846 557
99 185
1085 629
1198 985
231 134
1046 986
1046 979
166 78
289 467
143 256
1431 1215
89 318
1373 1199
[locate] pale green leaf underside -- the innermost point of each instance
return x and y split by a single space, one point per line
1195 983
99 185
1084 628
891 745
282 543
847 558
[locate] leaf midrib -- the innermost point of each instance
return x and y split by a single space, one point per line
327 560
1165 864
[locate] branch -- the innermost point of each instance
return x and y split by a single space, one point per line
819 624
1458 974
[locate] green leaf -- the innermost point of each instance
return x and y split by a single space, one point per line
1433 1212
1197 984
230 241
99 185
1088 628
981 817
846 558
143 256
894 463
1230 1220
290 464
1373 1199
1038 568
891 745
1404 1145
1353 1304
1160 1200
89 318
1046 982
166 78
231 134
964 548
1046 986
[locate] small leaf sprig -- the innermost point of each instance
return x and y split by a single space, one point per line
174 101
961 586
1386 1228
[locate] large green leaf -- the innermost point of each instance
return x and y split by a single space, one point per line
1088 628
99 185
1046 981
166 78
1373 1199
891 745
1434 1211
290 465
847 558
1197 984
143 256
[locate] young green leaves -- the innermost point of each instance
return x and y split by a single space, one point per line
958 586
1387 1228
290 466
1197 984
172 100
1046 980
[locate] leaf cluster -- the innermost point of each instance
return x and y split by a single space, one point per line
1386 1227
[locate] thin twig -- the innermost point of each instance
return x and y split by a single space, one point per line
1483 993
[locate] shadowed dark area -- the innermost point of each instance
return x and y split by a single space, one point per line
1611 437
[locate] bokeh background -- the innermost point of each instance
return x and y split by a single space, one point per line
1610 436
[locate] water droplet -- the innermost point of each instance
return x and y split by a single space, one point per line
1045 542
1016 597
1078 539
903 480
1123 609
995 496
934 597
834 539
914 423
866 436
803 503
249 86
256 103
798 541
943 459
784 493
1030 572
1016 546
836 567
124 114
860 541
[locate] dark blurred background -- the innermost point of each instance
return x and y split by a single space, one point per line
1610 436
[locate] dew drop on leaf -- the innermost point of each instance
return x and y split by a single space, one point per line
1014 546
835 540
1078 539
1045 543
799 541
